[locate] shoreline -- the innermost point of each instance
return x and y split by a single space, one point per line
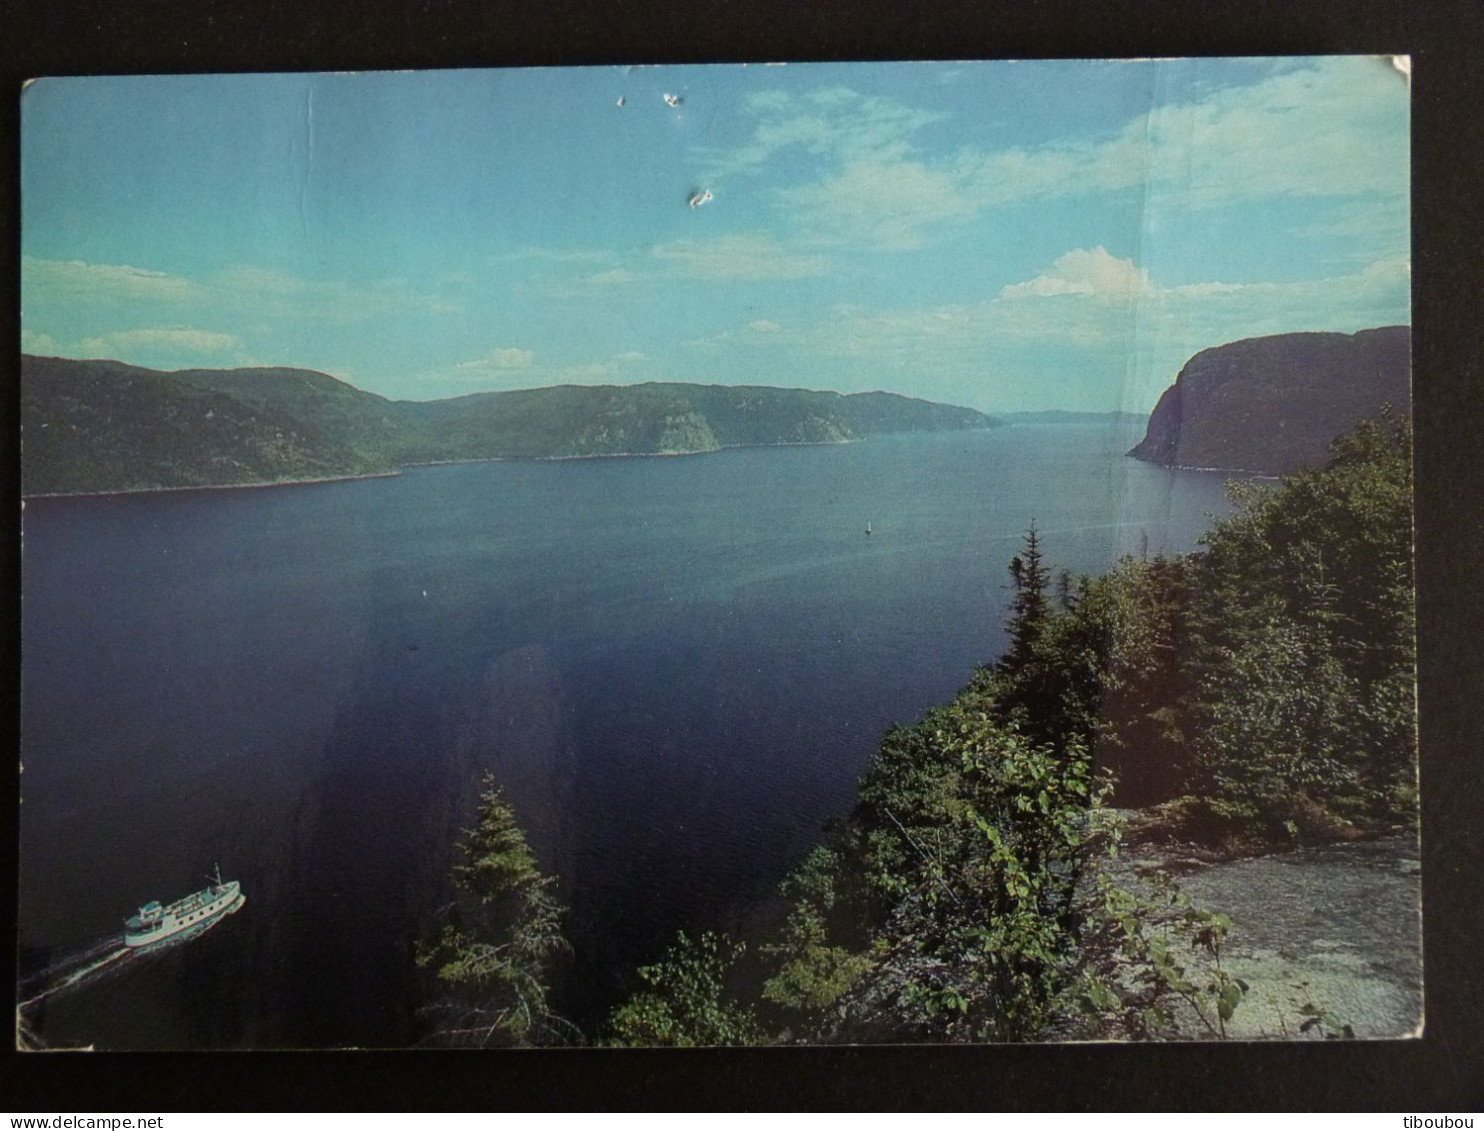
264 484
471 459
443 463
1187 467
259 485
633 455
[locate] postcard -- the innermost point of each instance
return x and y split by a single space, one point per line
825 554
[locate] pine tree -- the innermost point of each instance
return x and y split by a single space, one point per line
1066 592
493 958
1029 578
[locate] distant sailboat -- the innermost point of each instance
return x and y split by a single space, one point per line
868 528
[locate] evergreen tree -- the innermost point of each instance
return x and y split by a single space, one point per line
492 958
1029 578
1302 631
1066 592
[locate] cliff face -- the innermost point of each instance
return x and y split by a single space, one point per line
1273 404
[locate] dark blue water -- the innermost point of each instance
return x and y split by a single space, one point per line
677 667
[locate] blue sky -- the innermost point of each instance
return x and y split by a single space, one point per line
1001 235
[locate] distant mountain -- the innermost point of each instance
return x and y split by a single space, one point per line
1273 404
1065 416
104 426
588 420
371 426
90 426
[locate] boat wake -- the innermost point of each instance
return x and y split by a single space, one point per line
72 970
104 958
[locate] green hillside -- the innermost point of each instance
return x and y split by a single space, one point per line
577 420
367 424
93 426
104 426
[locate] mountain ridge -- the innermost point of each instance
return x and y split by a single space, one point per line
1071 416
97 426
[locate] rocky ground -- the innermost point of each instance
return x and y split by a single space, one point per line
1334 926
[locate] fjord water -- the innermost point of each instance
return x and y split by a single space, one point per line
676 667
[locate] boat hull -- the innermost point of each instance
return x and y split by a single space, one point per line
194 913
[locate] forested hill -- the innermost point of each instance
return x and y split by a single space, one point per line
92 426
1274 404
583 420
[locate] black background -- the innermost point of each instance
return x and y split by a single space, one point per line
1444 1071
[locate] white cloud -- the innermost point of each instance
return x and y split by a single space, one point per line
1374 224
835 123
42 344
589 374
1072 167
882 203
73 279
177 339
1092 288
616 277
1332 127
246 279
764 326
500 360
873 186
552 254
1327 128
1092 305
741 257
1094 273
241 290
710 340
332 300
1378 292
508 368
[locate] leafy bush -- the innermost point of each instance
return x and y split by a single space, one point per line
684 1002
813 974
962 860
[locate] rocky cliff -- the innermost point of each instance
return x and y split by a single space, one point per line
1274 404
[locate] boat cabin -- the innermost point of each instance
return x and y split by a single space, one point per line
148 916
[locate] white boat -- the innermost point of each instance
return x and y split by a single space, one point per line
199 909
